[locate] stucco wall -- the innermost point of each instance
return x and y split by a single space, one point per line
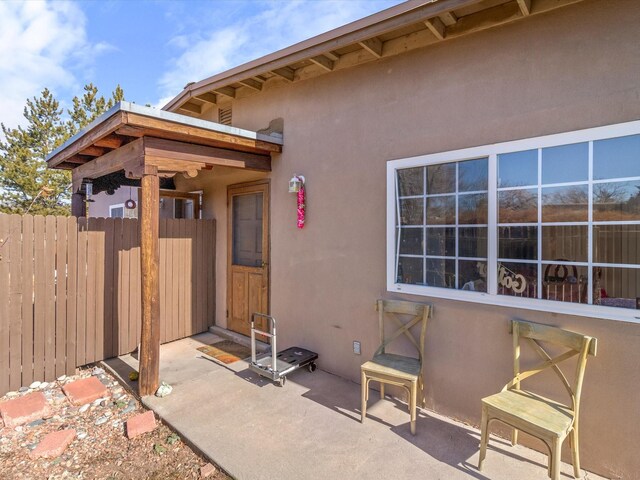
573 68
101 201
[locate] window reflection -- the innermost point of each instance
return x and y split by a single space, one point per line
566 163
616 244
411 211
616 287
519 243
441 242
441 272
411 181
411 241
441 210
565 204
473 275
473 175
616 158
441 178
410 270
616 201
518 206
565 283
472 208
472 242
569 243
518 169
518 279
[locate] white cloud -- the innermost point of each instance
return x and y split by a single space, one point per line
41 44
273 26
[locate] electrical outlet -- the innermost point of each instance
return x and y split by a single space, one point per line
356 347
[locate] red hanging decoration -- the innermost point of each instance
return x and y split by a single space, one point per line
301 206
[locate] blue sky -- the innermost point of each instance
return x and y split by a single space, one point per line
152 48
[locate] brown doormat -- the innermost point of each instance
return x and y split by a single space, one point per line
226 351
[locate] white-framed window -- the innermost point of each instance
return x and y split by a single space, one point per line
120 211
548 223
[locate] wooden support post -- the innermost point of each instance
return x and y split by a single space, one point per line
149 263
78 207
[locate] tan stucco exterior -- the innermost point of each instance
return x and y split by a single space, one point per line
574 68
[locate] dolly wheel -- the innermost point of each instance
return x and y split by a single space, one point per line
312 367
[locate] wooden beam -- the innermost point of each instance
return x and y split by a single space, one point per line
332 56
149 269
88 139
110 141
373 46
110 162
78 207
226 91
252 83
525 7
93 151
489 18
140 125
208 98
437 27
191 107
287 73
323 62
448 18
181 156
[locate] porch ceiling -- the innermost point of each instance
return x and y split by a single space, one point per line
170 141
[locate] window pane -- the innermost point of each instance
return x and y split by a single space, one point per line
565 204
441 210
441 242
441 178
441 273
518 206
519 243
410 270
117 212
616 201
518 169
411 211
473 175
411 181
616 244
411 241
473 275
472 242
518 279
569 244
616 158
472 208
566 163
565 283
617 287
247 230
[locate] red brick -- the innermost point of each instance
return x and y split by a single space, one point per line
85 391
25 409
139 424
207 470
53 444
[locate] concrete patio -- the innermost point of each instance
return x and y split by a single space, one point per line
311 427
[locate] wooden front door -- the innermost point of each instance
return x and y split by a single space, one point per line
248 255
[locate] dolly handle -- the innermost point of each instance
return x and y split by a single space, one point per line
271 334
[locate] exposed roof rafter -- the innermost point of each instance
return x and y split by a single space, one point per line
208 97
373 46
525 7
252 83
323 62
226 91
287 73
437 27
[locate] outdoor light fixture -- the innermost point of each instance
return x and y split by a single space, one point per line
88 189
295 183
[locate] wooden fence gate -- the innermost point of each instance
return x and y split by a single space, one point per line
70 290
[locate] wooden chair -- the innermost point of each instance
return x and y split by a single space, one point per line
392 369
541 417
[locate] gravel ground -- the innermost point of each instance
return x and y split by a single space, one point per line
100 450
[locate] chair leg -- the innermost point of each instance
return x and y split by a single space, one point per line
412 405
556 454
381 391
363 406
484 436
514 437
575 450
421 392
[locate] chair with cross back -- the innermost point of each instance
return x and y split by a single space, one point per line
550 421
393 369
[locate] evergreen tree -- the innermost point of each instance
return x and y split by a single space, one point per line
25 181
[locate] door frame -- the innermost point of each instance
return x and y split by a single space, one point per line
263 185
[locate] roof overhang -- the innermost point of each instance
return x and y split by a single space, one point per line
409 25
137 140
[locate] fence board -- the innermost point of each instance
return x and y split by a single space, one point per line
4 302
70 290
15 301
27 300
81 298
50 298
72 285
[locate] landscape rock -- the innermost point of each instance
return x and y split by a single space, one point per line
163 390
101 420
207 470
35 385
21 410
97 371
84 408
141 423
53 444
85 391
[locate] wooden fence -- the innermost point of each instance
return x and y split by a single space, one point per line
70 290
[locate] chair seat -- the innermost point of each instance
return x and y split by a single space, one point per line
526 408
407 368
